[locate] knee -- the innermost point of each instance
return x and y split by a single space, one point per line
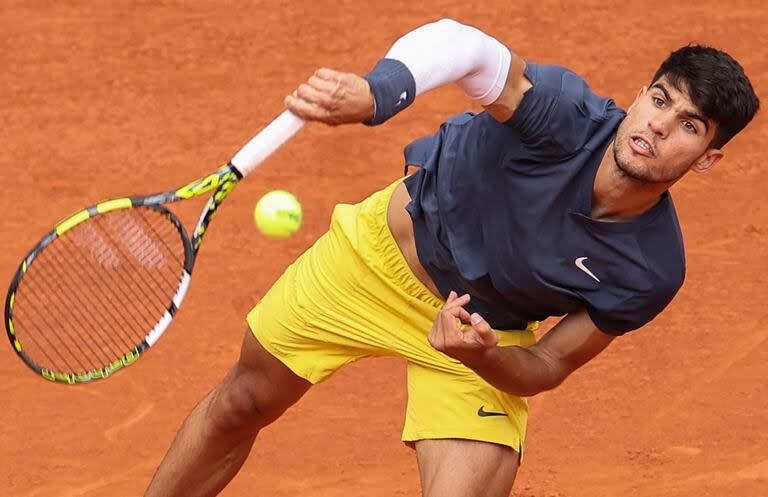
240 403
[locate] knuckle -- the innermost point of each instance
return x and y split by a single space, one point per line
310 112
327 101
303 89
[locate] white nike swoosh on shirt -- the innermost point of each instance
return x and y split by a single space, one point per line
580 265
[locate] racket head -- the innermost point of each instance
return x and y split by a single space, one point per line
98 290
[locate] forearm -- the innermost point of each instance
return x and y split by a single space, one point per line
517 371
525 372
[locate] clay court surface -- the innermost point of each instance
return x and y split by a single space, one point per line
99 101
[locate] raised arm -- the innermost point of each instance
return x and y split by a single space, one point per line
426 58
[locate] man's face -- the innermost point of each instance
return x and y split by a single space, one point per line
663 136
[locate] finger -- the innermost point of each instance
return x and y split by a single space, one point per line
316 96
449 328
457 301
437 337
450 315
457 314
484 331
307 110
452 296
326 85
432 338
328 74
464 315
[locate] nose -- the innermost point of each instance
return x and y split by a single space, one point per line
659 125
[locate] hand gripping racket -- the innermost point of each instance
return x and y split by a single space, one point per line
102 287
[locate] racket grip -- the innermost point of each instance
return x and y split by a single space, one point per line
267 141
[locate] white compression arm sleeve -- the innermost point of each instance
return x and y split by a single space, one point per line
450 52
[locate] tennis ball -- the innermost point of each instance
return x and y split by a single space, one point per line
278 214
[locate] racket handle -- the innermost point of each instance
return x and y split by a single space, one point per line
267 141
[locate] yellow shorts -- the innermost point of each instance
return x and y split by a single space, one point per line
352 295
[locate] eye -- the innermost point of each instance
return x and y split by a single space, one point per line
658 102
688 125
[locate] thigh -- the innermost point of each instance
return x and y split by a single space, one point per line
339 302
256 390
447 400
465 468
314 319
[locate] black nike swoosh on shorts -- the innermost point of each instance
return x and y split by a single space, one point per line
483 413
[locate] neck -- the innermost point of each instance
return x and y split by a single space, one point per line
617 197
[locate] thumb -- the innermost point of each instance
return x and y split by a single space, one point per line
484 331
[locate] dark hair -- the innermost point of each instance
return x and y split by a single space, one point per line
717 86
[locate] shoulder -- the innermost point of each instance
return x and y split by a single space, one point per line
554 82
560 111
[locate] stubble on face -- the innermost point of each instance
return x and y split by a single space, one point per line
638 168
658 142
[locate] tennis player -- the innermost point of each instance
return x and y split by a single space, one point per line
552 202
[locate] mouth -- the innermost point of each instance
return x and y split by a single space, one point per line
641 146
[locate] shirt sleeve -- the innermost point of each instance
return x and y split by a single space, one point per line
620 308
640 268
559 113
631 313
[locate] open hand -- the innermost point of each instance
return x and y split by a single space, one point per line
467 345
332 97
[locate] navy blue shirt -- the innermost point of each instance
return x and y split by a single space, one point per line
502 211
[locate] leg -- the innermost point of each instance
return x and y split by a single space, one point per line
465 468
467 434
321 314
217 436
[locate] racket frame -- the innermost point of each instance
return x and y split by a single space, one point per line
221 182
258 149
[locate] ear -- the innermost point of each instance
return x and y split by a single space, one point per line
640 93
707 160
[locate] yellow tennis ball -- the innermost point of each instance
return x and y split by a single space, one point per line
278 214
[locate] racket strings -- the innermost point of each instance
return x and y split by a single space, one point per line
47 346
75 325
69 284
84 278
71 346
93 295
132 273
74 254
56 304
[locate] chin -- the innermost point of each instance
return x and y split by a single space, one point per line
629 166
635 168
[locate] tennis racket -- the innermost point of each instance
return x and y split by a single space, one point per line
103 285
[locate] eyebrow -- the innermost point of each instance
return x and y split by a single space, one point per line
687 113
